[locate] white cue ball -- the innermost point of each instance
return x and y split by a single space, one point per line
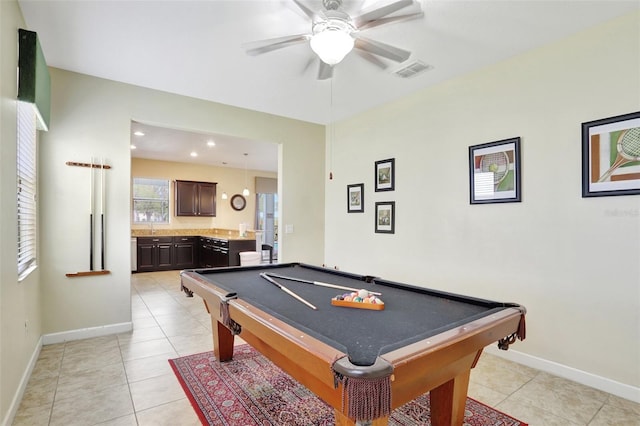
363 293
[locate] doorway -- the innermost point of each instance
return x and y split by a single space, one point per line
267 220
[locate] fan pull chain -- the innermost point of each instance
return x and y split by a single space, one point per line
331 130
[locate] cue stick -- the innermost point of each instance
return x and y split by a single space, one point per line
320 283
91 217
286 290
102 209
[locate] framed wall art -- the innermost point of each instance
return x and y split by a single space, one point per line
385 176
385 217
494 172
355 198
611 156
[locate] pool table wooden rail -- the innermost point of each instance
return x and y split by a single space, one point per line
440 364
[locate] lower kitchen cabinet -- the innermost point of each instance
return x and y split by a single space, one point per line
155 254
167 253
185 252
237 246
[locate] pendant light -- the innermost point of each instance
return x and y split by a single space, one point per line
245 191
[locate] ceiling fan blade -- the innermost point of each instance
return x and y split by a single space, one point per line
310 13
390 20
382 49
264 46
380 12
325 71
372 58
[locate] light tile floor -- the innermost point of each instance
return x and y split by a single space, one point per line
125 379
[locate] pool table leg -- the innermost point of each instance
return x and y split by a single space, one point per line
448 401
222 337
222 341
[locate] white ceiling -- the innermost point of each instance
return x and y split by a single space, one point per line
194 48
160 143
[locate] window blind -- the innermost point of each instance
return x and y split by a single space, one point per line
26 189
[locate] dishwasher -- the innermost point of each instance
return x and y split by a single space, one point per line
134 254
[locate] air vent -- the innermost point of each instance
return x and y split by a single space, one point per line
413 69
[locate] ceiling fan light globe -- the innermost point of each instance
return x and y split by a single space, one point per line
332 45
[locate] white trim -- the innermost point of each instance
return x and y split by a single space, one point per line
604 384
22 386
86 333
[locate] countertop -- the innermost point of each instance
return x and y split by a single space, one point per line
224 234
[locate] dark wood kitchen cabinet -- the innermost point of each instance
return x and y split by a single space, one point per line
237 246
188 252
166 253
155 254
185 252
195 198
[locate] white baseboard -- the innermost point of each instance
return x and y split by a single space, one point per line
86 333
17 397
588 379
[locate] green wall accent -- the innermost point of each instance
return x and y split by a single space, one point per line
34 82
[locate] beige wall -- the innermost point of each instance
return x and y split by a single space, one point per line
230 180
573 262
19 301
91 117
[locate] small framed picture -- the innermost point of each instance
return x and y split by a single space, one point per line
494 172
611 156
355 198
385 175
386 217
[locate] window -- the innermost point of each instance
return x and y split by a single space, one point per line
26 190
150 200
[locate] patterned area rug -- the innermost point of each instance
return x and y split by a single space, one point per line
250 390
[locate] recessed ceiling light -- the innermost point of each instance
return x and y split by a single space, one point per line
211 143
194 154
138 133
133 147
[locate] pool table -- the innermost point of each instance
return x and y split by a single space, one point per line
362 362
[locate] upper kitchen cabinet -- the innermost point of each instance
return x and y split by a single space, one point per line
195 198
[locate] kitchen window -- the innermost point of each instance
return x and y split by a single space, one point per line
150 200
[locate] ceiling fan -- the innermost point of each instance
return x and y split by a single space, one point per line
334 33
